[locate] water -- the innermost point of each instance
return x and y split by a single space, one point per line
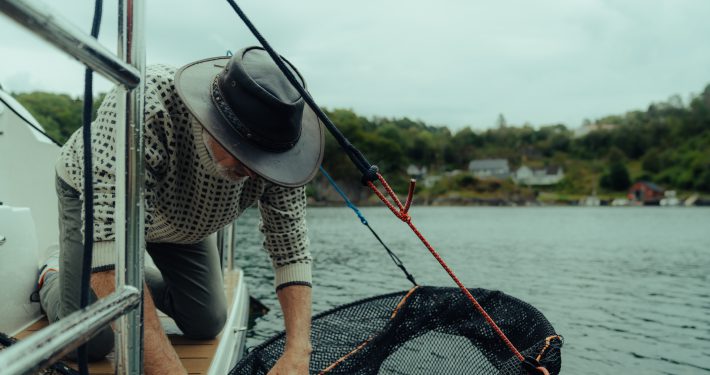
628 288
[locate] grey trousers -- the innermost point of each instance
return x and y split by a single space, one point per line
187 284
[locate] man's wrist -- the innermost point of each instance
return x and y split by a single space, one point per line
297 347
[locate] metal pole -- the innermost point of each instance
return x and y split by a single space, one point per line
53 342
220 237
65 36
232 245
228 246
225 244
129 188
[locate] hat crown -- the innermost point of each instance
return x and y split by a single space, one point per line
260 67
257 99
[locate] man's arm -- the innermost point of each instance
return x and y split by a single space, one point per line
295 303
160 357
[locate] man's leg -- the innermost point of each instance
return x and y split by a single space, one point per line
60 292
190 289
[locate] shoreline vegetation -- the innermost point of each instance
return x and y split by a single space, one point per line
667 144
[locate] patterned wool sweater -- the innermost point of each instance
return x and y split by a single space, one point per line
186 199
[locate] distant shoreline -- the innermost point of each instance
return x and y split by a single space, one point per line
503 203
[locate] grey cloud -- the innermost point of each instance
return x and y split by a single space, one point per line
450 62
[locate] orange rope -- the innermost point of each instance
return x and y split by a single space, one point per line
403 215
367 341
343 358
403 301
548 342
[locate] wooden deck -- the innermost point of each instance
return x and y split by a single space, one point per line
196 355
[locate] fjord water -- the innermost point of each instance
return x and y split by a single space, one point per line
628 288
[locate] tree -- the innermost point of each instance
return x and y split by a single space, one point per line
461 148
703 181
59 114
500 122
617 177
652 161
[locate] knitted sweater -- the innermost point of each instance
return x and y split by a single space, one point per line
186 199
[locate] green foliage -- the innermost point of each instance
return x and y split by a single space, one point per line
59 114
652 161
465 182
617 179
703 181
461 148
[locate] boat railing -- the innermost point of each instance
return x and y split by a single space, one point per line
51 343
70 39
126 68
225 243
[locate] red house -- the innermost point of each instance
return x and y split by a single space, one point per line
645 192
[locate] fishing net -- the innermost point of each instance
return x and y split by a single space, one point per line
427 330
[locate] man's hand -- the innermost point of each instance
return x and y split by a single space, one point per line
295 302
160 357
292 362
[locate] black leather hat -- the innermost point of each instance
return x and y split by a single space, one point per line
246 103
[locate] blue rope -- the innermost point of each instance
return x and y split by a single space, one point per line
345 197
395 258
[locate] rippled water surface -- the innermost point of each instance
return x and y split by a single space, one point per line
628 288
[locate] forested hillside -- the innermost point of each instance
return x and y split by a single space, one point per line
667 143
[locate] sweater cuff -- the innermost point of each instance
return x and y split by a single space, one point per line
104 256
293 274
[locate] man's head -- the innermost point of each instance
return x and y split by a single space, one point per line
226 164
249 108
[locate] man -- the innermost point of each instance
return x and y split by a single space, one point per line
221 134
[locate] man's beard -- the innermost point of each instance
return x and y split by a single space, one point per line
226 172
229 173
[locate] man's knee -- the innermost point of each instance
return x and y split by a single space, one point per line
99 346
206 324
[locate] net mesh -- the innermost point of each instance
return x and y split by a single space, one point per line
427 330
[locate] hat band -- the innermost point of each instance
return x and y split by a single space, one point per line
228 114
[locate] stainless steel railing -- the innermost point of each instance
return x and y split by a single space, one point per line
129 189
127 70
225 243
71 40
56 340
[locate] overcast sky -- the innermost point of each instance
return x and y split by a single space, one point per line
448 62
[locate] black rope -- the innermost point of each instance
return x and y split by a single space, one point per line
369 171
83 354
395 258
398 262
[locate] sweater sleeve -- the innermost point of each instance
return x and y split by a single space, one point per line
283 223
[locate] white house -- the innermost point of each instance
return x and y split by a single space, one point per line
487 168
543 176
416 172
586 129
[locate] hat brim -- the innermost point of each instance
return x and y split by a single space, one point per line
291 168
